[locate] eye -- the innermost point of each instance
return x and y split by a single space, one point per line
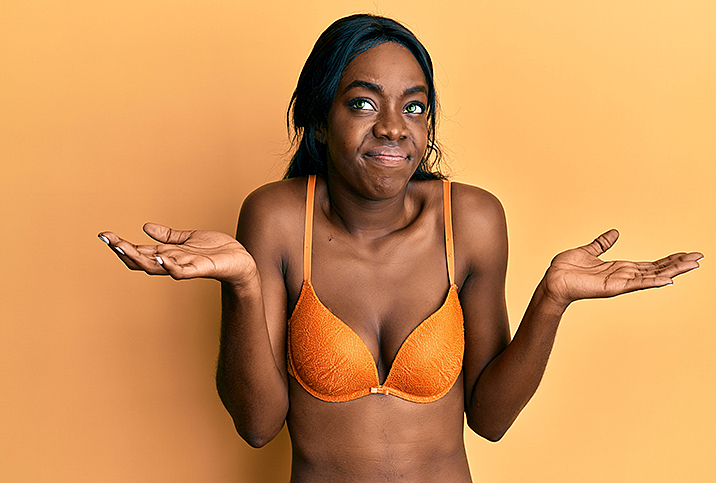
415 108
361 105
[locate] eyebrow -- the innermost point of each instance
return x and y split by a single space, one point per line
365 85
378 88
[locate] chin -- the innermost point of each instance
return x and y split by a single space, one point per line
387 186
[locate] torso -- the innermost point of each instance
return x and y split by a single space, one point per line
377 437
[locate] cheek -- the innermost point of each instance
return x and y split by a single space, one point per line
344 135
421 136
339 143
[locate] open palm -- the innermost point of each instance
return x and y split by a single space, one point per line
186 254
579 273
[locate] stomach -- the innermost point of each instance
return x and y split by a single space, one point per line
377 438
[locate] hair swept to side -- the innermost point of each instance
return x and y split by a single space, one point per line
337 46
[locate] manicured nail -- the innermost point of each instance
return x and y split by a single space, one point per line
119 250
104 239
159 260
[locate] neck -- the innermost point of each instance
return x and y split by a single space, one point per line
369 218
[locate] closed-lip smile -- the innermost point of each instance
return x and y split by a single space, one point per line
387 155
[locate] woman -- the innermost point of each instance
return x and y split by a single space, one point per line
363 302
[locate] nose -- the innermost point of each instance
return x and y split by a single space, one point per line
390 124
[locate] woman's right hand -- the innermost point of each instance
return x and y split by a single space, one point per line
186 254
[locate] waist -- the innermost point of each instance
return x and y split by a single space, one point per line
375 436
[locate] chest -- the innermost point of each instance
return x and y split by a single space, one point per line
382 291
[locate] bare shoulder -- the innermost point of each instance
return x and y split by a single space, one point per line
279 198
476 210
271 213
480 227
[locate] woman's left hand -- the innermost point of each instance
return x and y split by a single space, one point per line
579 273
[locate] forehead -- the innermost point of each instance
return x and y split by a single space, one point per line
389 62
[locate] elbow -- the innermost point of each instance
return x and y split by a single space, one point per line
257 422
255 439
257 430
491 432
493 436
256 433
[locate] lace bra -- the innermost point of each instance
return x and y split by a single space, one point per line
333 363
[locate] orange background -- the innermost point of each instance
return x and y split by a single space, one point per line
579 116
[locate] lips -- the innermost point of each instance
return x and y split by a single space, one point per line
387 156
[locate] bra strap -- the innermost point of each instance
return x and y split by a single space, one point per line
308 230
447 216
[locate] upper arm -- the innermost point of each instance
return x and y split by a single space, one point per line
266 226
481 251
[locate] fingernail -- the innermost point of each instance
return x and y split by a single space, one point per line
159 260
104 238
118 250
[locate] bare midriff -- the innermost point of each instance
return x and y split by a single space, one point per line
377 438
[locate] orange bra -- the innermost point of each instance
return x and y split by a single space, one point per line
333 363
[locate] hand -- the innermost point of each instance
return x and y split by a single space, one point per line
580 274
186 254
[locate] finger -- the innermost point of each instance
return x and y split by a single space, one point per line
177 264
662 262
697 256
176 261
131 255
112 241
672 265
679 268
646 268
602 243
108 237
164 234
143 257
645 279
680 256
643 283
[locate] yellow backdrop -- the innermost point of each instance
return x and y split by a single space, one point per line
579 116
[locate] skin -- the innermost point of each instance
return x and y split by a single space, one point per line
369 216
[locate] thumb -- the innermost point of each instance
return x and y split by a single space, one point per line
164 234
602 243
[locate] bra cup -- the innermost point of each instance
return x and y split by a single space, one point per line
427 366
333 363
327 357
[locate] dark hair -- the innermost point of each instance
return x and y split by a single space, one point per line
342 42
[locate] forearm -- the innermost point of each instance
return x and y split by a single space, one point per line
506 383
510 379
249 382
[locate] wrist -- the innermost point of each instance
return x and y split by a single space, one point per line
548 301
247 282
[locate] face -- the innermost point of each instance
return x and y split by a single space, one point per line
377 128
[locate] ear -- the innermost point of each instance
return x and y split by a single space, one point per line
320 134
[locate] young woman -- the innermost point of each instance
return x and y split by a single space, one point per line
363 302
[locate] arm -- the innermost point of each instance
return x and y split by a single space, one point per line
250 380
251 375
502 375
